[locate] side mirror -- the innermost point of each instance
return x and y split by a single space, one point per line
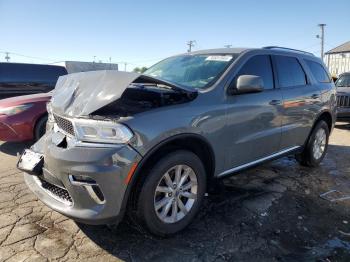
247 84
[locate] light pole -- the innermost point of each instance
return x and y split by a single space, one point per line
322 39
190 45
7 57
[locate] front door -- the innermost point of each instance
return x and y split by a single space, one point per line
253 129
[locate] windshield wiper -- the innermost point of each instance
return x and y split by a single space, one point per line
171 85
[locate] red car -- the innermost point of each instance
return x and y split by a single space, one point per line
23 118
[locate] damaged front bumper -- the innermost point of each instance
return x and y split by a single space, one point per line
86 183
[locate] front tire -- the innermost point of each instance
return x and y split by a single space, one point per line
172 193
316 147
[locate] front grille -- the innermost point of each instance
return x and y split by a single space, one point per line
64 124
57 192
343 100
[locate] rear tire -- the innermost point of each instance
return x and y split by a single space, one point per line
40 128
316 147
172 193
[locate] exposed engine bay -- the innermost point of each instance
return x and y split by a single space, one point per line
114 94
141 97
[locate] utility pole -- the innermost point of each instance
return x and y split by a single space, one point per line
190 44
125 64
322 39
7 57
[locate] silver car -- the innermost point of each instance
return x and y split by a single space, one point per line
150 144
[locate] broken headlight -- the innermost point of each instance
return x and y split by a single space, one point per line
97 131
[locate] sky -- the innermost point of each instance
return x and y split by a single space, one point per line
141 33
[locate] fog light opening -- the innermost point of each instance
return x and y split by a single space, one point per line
80 180
96 194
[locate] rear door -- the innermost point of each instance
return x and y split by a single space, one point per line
301 100
253 129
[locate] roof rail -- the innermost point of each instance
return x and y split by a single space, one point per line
288 49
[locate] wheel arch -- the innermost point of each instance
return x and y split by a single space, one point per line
327 117
305 157
192 142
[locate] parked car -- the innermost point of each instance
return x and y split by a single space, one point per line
343 97
23 118
151 144
23 79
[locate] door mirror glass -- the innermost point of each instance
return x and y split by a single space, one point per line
247 84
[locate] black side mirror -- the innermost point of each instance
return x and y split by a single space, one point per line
247 84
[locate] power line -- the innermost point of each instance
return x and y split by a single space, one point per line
52 61
145 61
49 60
27 56
309 46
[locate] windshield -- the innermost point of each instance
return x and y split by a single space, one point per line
191 71
343 81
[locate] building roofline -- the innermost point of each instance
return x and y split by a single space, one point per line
343 48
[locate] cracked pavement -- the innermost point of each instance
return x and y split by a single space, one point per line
270 213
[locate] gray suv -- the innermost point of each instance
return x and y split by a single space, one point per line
150 144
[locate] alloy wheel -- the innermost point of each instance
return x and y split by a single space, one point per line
175 194
319 144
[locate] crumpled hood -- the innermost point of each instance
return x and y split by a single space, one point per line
81 94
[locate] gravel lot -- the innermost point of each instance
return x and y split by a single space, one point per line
271 213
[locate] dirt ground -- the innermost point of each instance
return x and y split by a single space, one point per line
270 213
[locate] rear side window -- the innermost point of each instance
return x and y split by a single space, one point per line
318 71
289 72
259 65
29 73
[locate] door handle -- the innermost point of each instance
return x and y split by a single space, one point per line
315 96
275 102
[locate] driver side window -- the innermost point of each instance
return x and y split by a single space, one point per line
259 65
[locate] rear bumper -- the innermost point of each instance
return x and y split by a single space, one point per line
99 202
